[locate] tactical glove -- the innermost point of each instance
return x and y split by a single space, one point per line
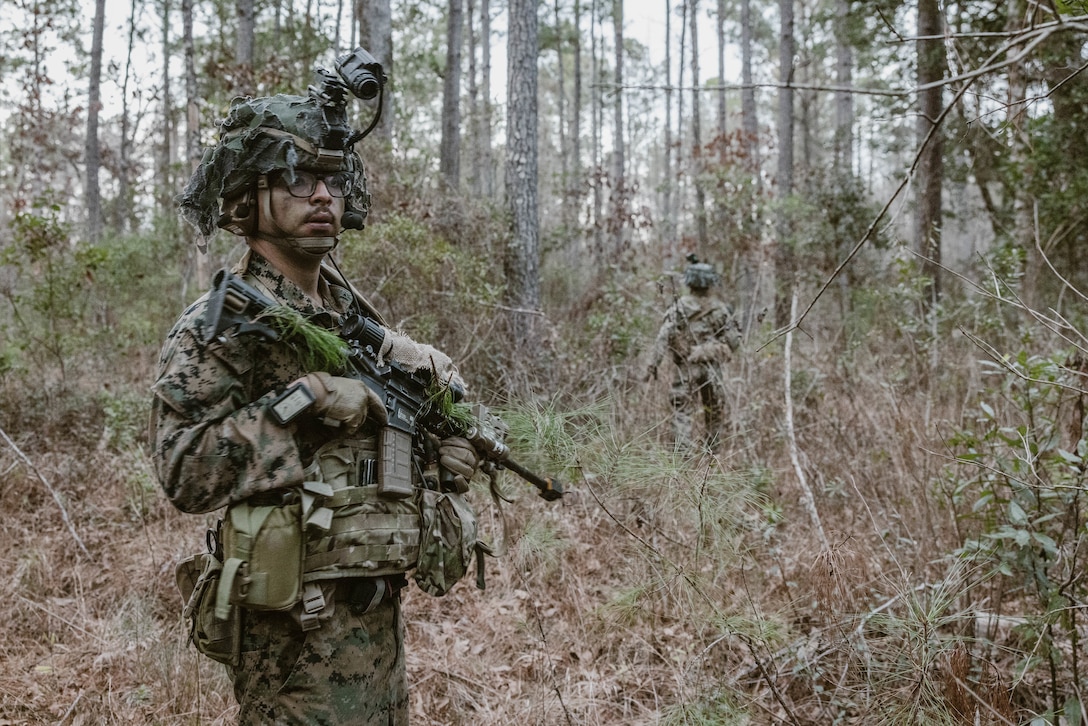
457 456
344 402
420 356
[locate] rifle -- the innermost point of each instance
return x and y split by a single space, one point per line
407 394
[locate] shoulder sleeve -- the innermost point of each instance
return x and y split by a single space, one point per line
212 440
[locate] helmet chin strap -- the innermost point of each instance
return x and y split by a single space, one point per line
315 246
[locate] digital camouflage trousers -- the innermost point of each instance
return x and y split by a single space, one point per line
697 388
351 670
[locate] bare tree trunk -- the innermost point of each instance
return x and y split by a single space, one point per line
696 132
336 29
680 177
243 48
522 259
1020 156
619 205
574 194
375 19
931 64
566 209
123 211
783 257
165 187
667 196
449 159
755 264
749 116
844 100
721 77
192 125
596 113
475 109
485 71
92 152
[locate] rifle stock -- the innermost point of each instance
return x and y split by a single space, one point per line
234 302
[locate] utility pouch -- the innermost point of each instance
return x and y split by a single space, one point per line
447 541
198 580
262 556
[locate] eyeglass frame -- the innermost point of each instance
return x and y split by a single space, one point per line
344 188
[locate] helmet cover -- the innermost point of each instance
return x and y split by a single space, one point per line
261 135
700 276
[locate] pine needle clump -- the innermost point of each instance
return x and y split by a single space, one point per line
318 348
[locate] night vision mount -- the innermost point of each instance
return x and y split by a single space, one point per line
362 75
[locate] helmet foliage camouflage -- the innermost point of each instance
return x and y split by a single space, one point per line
699 275
261 135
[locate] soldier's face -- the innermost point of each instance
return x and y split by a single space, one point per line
315 215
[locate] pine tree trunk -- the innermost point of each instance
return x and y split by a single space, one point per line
449 158
754 267
561 104
782 275
931 66
667 194
574 188
164 179
92 152
721 79
243 48
122 218
1020 156
844 100
522 259
193 149
619 207
696 132
375 19
475 109
596 115
749 115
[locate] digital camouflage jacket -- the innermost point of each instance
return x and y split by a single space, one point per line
697 329
214 440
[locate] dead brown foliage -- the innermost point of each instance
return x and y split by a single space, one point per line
659 590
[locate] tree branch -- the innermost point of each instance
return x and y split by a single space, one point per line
56 497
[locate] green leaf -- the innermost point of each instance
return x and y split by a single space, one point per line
987 409
1048 543
1017 515
1069 457
1074 711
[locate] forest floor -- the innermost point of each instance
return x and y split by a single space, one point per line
803 576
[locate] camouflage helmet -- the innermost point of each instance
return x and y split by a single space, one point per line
699 275
261 135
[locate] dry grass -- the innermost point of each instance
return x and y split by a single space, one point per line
660 590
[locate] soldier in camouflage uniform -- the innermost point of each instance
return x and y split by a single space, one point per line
288 182
699 333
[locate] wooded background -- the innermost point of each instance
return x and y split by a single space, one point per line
894 193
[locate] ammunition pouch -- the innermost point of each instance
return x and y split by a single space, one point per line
352 528
198 580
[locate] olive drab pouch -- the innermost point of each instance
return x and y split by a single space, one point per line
447 541
198 580
262 556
